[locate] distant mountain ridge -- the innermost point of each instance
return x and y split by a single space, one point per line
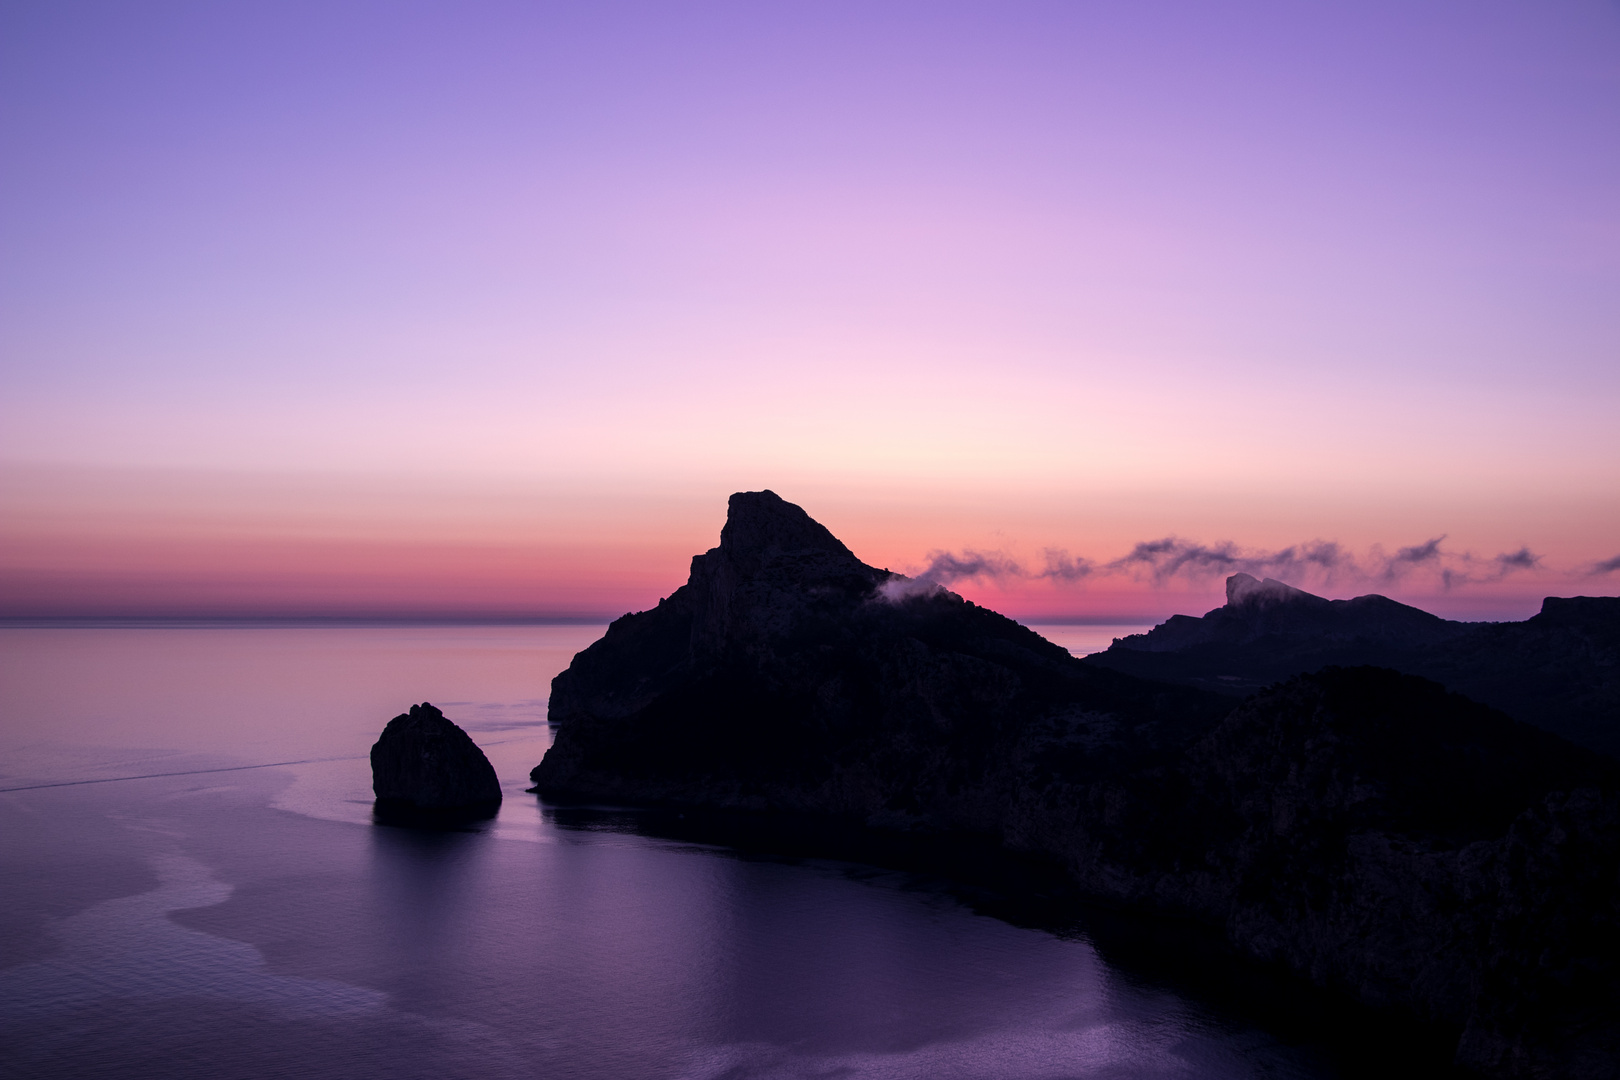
1255 609
1559 670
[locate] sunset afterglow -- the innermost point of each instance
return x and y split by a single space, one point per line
485 309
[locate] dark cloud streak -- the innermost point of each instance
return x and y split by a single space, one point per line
1061 566
1416 555
1169 557
1522 559
1315 563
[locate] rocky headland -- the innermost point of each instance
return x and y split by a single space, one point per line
1367 830
789 675
422 762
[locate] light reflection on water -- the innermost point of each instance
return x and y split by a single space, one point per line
256 922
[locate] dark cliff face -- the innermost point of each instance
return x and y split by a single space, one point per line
1418 850
1354 823
1559 670
423 761
1382 837
787 674
1365 829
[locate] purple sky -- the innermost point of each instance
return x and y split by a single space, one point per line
1019 276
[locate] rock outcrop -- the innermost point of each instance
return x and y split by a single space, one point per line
787 674
425 762
1559 670
1365 829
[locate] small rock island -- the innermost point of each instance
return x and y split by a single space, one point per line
424 762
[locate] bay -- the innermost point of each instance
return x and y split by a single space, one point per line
195 886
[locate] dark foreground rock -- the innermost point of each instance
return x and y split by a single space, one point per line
1383 837
424 762
1559 670
789 675
1366 830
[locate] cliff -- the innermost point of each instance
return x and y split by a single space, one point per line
1366 830
787 674
1388 839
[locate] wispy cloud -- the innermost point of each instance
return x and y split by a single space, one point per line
1314 563
1607 566
947 567
1061 566
1470 570
944 567
1518 560
1416 555
1171 557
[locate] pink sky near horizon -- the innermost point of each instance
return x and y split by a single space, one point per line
487 307
84 542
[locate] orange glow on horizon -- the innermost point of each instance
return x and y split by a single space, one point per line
167 544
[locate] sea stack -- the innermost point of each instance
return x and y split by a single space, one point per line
425 762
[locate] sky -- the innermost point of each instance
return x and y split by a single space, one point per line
414 308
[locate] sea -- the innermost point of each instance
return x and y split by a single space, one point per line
194 885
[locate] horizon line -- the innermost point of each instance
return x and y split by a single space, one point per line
259 618
43 620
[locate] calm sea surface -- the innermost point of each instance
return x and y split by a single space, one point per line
194 887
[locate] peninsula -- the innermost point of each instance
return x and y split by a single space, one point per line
1369 830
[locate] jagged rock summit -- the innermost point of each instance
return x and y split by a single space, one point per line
1244 590
424 761
788 674
762 527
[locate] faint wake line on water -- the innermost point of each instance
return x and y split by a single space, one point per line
182 772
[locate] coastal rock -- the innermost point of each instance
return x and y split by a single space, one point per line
789 675
424 761
1559 670
1365 829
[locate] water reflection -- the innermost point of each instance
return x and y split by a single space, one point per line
391 813
216 908
1086 970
